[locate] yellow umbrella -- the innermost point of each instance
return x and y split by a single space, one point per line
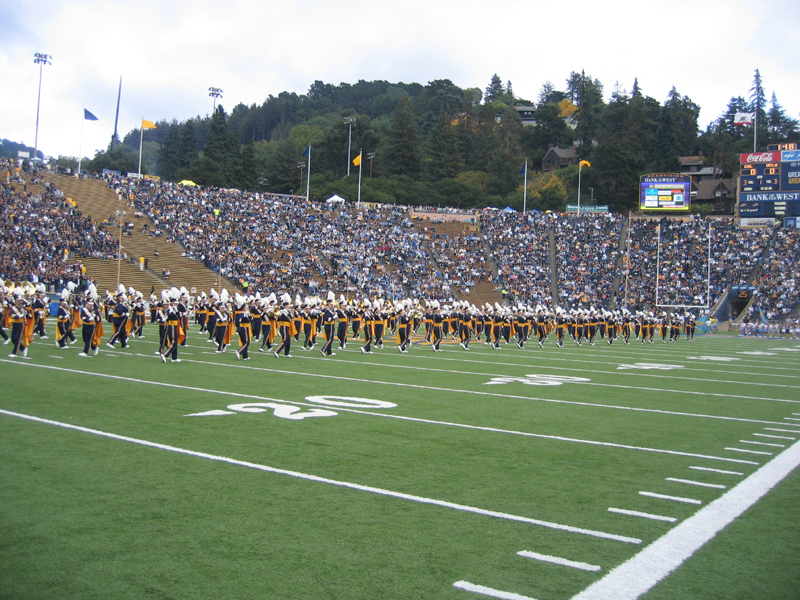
186 182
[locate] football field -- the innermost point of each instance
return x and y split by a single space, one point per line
655 471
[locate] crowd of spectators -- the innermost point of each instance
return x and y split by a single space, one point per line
520 246
778 291
270 242
41 232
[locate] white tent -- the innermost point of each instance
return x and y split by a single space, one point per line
335 199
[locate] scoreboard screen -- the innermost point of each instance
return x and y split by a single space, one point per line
665 192
760 177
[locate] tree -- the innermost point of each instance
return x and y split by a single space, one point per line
665 152
495 90
169 155
188 151
684 114
216 147
587 95
402 156
444 160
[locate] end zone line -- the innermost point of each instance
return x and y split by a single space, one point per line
345 484
641 573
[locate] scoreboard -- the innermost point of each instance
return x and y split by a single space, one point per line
665 191
769 182
760 177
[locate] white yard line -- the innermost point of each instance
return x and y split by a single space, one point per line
399 417
717 471
673 498
479 393
781 430
698 483
557 560
641 573
775 437
345 484
749 451
762 444
487 591
636 513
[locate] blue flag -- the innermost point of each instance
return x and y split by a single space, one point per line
88 116
307 150
522 172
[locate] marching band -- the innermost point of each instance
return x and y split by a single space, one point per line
253 318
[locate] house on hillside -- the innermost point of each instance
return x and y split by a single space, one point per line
693 166
558 158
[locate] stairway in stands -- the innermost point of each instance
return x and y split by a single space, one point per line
97 201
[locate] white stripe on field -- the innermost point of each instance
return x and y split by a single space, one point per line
487 591
559 561
700 483
790 419
399 417
346 484
763 444
716 471
641 573
782 430
674 498
636 513
775 437
424 387
749 451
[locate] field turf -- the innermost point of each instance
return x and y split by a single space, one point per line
657 471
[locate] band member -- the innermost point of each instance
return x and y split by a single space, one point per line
16 317
245 332
138 316
91 319
342 316
436 328
329 326
368 319
223 323
284 321
119 317
172 337
403 331
63 324
39 306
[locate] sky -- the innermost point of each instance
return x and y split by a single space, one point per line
169 52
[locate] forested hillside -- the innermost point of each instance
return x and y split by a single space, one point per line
439 144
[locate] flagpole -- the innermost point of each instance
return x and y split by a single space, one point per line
308 173
755 129
359 174
80 146
580 170
658 261
141 139
525 190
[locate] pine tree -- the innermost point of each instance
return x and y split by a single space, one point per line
188 149
402 148
169 155
494 91
216 147
445 161
665 152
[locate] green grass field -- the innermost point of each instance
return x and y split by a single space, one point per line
390 476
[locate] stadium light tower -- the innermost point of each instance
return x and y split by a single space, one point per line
41 60
349 122
215 93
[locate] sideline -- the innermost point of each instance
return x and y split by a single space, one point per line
642 572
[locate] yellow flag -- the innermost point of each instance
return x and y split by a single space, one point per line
584 163
148 124
357 160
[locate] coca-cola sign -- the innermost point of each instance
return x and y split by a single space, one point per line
759 157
